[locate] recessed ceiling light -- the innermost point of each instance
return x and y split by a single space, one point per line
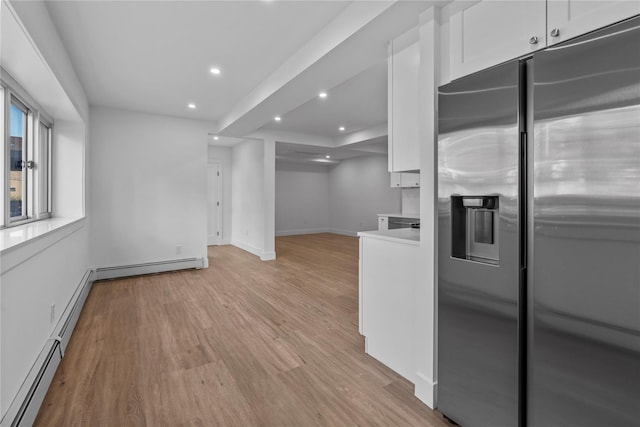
216 138
192 106
341 128
277 118
328 156
215 70
322 95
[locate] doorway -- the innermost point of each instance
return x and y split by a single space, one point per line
214 232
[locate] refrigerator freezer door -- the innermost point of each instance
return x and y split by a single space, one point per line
478 248
585 280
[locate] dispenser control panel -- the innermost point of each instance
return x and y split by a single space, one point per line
474 234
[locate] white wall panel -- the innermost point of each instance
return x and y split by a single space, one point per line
358 191
28 291
148 192
302 198
247 204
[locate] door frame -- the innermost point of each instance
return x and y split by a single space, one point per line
210 163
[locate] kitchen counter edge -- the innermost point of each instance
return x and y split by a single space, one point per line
410 236
400 215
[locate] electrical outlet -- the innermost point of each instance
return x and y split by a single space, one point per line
178 249
52 314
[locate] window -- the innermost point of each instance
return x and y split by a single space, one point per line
17 161
26 159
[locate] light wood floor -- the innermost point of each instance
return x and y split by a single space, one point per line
242 343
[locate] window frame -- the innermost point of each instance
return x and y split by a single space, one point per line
12 100
44 149
37 150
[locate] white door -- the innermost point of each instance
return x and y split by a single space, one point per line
213 204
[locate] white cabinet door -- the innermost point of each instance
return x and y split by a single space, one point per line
570 18
410 180
404 148
491 32
396 179
388 272
404 179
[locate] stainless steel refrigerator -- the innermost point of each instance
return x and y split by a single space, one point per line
539 238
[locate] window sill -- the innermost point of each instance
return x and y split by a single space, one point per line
23 241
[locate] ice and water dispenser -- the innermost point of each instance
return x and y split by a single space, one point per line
474 231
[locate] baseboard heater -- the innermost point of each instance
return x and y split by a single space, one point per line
149 268
23 410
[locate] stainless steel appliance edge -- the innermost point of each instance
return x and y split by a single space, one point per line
539 237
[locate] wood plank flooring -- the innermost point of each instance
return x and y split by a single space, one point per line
242 343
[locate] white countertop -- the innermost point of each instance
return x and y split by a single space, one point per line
402 215
400 235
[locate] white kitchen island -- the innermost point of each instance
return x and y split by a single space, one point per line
387 280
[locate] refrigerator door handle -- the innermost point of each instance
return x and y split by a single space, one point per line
522 347
522 201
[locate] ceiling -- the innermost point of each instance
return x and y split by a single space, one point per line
313 154
358 103
275 57
155 56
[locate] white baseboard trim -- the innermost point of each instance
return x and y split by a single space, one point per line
343 232
25 406
301 231
150 268
426 390
264 256
246 247
220 243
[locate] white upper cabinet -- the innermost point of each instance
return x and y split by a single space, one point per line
404 143
490 32
404 180
570 18
396 179
487 33
409 180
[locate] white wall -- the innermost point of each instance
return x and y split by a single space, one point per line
223 155
68 173
410 200
46 270
302 198
247 203
253 197
149 191
49 276
269 199
359 189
